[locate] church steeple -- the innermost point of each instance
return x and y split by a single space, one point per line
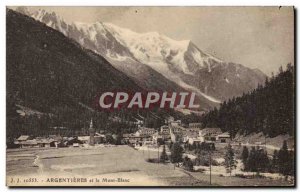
91 123
92 133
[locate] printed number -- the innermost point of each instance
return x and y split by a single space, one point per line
31 180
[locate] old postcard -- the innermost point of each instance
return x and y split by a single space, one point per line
150 96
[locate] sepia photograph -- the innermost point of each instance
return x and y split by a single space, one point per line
137 96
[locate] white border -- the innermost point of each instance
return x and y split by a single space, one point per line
5 3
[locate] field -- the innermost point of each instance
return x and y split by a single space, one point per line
106 166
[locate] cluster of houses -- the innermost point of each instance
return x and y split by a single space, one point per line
26 141
173 131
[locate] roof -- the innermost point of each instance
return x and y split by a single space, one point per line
143 129
165 127
194 124
197 139
157 134
29 142
55 137
23 138
164 133
209 130
225 134
83 138
44 140
191 134
193 130
126 135
146 128
70 138
178 127
99 135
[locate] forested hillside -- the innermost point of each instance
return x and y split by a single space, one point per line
268 109
49 73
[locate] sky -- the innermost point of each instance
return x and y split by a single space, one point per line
256 37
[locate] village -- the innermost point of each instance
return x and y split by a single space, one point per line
173 132
200 151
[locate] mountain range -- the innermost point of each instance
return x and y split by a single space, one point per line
156 62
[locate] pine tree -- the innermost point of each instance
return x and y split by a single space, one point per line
176 153
230 162
170 145
284 160
251 163
262 160
188 164
291 163
245 155
163 156
275 166
258 160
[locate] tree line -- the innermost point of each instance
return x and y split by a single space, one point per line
269 108
257 160
254 160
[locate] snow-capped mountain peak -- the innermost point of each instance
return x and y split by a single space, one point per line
152 48
178 61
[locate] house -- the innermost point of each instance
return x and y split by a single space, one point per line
195 125
23 138
126 137
193 130
209 134
194 140
71 140
175 123
190 137
176 137
165 132
56 138
177 133
223 138
99 138
84 139
131 138
145 132
146 143
25 141
177 129
164 129
43 142
159 137
29 144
